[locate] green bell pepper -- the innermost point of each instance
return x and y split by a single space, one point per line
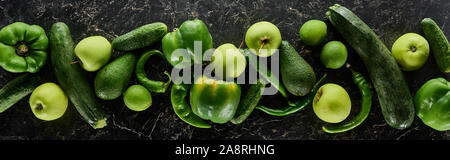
432 103
23 47
214 100
190 31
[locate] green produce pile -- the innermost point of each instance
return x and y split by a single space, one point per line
25 49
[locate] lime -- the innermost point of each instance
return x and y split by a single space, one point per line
333 54
313 32
137 98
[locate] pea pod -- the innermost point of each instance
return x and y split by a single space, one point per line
249 102
366 103
151 85
296 106
182 109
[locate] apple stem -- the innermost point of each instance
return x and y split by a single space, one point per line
39 107
413 49
75 62
263 42
319 95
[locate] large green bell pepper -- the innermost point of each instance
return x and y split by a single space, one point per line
190 31
23 47
214 100
432 103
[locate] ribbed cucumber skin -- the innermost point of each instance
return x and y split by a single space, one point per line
296 74
17 89
112 80
140 37
438 43
72 78
387 78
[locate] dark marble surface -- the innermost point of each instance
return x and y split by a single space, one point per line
227 22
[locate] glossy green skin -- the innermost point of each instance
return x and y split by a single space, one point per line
439 44
17 89
432 103
137 98
366 103
181 107
313 32
33 37
333 55
143 36
183 38
112 80
214 100
151 85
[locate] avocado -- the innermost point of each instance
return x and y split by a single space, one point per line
296 74
112 80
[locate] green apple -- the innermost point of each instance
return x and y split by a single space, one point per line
137 98
228 61
313 32
332 103
333 55
93 52
48 102
411 51
263 38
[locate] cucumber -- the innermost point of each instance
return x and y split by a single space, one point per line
296 74
143 36
72 78
387 78
438 43
112 80
17 89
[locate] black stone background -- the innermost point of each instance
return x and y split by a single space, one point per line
227 21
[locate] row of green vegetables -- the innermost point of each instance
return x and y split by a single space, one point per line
23 48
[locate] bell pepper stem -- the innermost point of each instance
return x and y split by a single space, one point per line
22 49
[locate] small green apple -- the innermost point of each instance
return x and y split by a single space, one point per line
48 102
137 98
313 32
93 52
411 51
228 61
332 103
263 38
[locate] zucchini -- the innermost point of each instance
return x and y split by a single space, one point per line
17 89
387 78
140 37
438 43
72 78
